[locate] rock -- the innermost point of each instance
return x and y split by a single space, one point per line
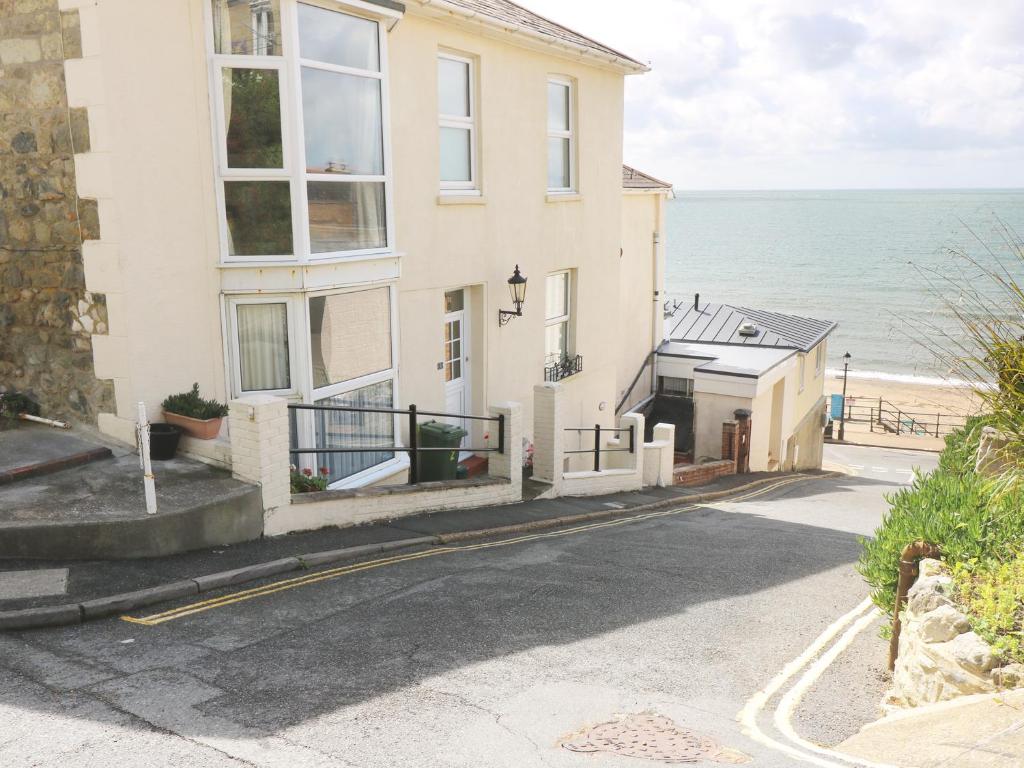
929 593
971 652
992 458
942 624
930 567
1010 676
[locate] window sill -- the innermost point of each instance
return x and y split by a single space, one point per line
296 264
563 197
461 198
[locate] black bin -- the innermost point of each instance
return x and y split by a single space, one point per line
439 465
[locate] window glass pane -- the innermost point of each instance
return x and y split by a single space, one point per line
453 87
252 117
555 341
337 38
350 335
558 164
247 27
455 155
346 216
341 429
454 300
558 296
558 107
263 346
341 116
259 216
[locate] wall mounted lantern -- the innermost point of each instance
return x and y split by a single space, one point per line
517 288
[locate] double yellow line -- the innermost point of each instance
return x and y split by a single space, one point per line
334 573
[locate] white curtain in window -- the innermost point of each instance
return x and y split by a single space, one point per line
346 429
263 346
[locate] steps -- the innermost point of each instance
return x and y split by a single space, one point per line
30 451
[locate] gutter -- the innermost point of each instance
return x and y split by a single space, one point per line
620 61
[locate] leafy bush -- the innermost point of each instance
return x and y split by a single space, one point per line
961 449
194 406
992 594
953 508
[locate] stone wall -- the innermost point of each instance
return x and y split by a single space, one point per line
47 317
940 658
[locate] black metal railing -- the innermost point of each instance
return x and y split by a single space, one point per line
879 413
412 413
564 368
652 357
597 450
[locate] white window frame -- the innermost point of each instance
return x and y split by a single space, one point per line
569 134
819 360
565 318
234 351
802 370
458 121
292 134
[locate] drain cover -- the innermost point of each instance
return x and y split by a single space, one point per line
653 737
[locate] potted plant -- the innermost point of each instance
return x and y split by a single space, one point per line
163 441
196 415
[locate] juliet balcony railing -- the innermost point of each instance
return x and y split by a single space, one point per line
564 368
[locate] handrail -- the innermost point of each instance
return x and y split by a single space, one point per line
892 418
629 389
597 429
413 449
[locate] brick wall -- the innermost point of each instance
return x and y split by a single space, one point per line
702 474
47 317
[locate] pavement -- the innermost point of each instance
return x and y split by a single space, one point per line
985 731
491 652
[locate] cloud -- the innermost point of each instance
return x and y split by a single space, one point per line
863 93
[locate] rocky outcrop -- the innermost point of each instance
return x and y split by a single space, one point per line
940 658
993 453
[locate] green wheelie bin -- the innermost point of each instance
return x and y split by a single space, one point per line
439 465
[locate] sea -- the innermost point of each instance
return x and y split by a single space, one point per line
880 263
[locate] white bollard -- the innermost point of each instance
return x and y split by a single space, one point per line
144 462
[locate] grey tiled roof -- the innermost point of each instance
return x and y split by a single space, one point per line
720 324
510 13
634 179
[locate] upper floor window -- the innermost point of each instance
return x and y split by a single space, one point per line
456 106
561 136
819 359
801 374
302 160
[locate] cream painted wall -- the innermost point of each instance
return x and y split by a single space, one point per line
711 410
452 243
640 275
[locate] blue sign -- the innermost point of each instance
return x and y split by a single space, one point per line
837 407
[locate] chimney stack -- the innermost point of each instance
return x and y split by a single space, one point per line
696 302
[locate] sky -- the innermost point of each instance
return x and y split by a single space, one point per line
809 94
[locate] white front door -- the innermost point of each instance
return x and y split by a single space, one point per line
456 357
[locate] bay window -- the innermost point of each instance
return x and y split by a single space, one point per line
303 171
456 104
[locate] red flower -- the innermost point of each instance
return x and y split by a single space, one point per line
307 472
324 471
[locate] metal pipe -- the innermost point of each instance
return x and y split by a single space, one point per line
41 420
148 484
909 559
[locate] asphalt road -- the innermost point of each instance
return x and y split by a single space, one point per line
486 656
889 465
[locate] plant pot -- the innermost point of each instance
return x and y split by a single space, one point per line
203 429
163 441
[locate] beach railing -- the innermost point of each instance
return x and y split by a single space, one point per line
882 415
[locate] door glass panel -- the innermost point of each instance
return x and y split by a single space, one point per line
247 27
341 117
343 429
252 116
259 218
263 346
337 38
350 335
346 216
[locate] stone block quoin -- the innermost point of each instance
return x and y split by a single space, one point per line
47 315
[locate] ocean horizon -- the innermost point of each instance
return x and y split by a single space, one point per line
871 260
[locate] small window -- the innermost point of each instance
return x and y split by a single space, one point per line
561 137
457 122
819 360
557 341
675 387
803 371
247 27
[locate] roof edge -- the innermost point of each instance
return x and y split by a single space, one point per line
619 61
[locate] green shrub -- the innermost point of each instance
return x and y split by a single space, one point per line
992 595
952 508
194 406
961 449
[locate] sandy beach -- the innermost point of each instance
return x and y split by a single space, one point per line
923 398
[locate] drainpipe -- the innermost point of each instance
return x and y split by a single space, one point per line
911 555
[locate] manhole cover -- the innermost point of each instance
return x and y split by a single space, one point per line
653 737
